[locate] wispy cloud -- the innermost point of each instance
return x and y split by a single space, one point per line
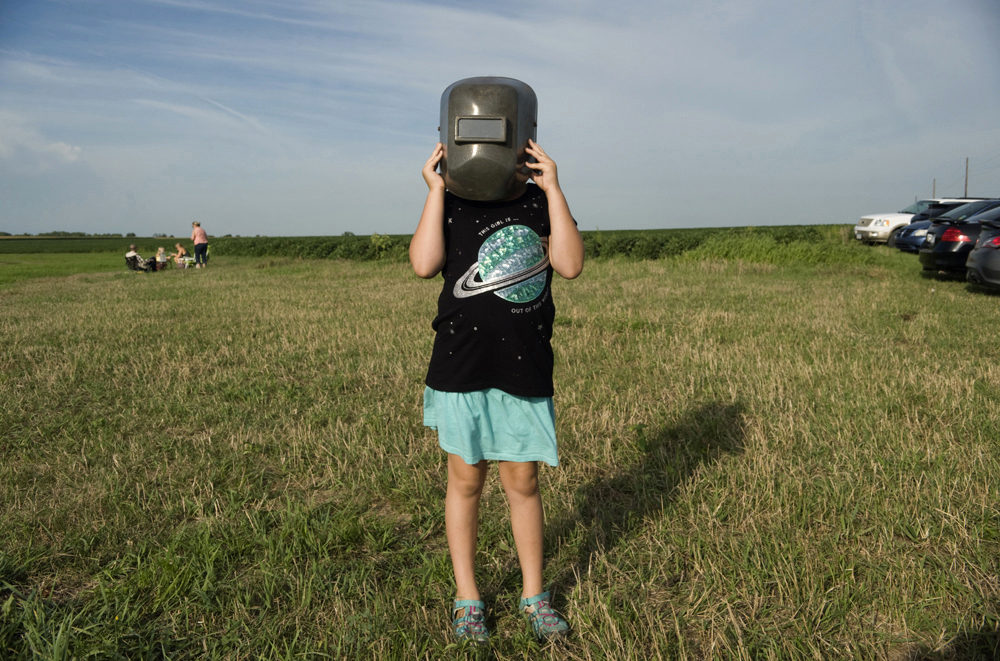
243 106
246 119
192 112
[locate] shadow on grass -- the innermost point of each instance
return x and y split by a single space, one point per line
981 645
956 276
943 276
981 290
615 507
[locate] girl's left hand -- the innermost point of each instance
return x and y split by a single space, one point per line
543 173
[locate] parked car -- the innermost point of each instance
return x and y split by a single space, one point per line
953 235
879 228
935 210
967 210
910 237
983 263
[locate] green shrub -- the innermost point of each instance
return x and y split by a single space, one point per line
381 245
807 244
780 248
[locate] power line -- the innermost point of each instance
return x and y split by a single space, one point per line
979 171
949 181
989 160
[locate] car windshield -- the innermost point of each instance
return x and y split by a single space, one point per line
916 207
966 210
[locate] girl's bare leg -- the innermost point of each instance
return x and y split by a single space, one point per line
520 481
461 520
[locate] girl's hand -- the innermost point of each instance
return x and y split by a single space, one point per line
434 179
543 172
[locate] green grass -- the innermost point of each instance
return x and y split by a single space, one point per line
19 267
760 461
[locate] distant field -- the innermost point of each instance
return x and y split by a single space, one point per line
825 242
240 246
17 267
84 245
803 244
770 450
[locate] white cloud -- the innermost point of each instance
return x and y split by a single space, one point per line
23 149
66 153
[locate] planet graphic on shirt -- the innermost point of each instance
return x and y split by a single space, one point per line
512 264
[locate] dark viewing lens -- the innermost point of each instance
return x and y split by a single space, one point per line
480 129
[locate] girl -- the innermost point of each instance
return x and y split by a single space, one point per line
179 256
489 384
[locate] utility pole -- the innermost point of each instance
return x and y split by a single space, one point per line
934 189
966 176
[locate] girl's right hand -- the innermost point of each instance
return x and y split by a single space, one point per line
433 178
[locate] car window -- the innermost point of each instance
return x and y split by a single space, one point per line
983 209
940 208
916 207
966 210
992 214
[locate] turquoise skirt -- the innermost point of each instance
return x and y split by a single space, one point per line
491 424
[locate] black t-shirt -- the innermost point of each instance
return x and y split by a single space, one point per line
495 312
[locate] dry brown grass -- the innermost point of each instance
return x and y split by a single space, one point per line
758 462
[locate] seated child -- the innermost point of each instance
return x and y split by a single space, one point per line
179 256
161 258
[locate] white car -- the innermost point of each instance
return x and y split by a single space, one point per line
879 227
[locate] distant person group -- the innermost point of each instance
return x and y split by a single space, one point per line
181 258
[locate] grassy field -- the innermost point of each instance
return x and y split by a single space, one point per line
759 462
20 267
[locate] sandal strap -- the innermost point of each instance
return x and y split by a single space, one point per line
462 603
531 601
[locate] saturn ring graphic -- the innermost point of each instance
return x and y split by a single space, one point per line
512 264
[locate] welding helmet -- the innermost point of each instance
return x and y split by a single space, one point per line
485 126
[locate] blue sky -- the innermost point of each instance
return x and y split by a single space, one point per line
302 117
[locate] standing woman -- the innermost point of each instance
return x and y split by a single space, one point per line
200 240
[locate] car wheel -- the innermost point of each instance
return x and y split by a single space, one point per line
892 238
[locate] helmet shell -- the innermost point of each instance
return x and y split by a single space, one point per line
485 126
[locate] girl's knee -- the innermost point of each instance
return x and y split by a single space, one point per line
519 479
465 480
465 488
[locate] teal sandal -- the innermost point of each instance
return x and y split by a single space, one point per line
471 627
547 624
